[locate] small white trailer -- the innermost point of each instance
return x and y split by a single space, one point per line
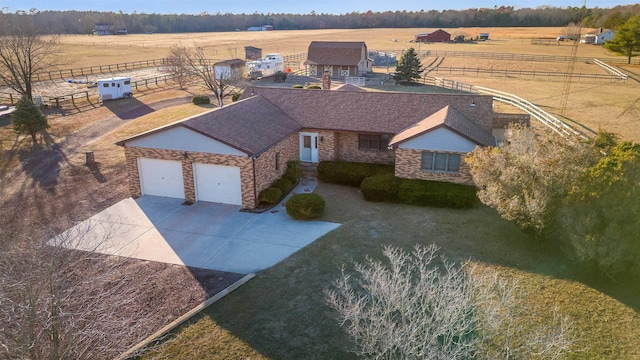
114 88
265 67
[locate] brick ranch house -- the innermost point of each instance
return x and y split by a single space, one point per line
229 154
339 58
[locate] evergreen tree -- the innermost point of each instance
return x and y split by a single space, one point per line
409 67
28 118
626 41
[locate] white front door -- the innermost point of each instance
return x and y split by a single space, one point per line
309 147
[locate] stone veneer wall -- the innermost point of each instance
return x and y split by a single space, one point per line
266 172
244 163
409 166
347 150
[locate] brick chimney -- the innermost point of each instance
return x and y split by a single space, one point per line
326 81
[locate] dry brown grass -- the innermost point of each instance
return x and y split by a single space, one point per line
613 106
84 50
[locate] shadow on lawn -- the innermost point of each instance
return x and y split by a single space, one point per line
127 109
282 314
42 162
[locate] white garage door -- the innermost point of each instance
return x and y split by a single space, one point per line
161 177
217 183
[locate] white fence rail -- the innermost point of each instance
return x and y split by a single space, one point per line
354 80
610 69
544 117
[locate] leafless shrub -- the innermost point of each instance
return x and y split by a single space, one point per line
57 302
423 306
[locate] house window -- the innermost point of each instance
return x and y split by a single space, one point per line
435 161
277 161
373 142
105 85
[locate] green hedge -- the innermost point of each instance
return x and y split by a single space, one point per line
293 172
384 188
316 87
270 195
283 184
350 173
201 100
305 206
297 86
438 194
388 188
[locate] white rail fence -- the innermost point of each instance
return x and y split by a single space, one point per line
610 69
558 126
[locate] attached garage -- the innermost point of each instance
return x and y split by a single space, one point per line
217 183
161 177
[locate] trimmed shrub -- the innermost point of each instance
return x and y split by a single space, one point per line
294 172
350 173
201 100
437 194
383 188
283 184
305 206
313 87
270 195
297 86
235 97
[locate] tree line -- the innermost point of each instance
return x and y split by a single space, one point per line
83 22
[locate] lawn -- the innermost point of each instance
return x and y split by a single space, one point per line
280 314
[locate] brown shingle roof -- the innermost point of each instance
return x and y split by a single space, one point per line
252 126
349 87
335 53
451 119
366 111
231 62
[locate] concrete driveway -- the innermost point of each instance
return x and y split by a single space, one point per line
205 235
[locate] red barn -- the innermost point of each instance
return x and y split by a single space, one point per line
436 36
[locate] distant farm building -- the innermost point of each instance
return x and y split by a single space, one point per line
107 29
436 36
252 53
483 36
597 37
233 69
338 58
103 29
260 28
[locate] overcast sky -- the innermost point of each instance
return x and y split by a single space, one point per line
283 6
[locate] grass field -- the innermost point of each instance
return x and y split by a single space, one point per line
613 106
280 313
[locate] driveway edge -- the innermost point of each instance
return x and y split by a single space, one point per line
135 350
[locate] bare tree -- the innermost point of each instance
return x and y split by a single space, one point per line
58 302
24 52
178 59
204 69
422 306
